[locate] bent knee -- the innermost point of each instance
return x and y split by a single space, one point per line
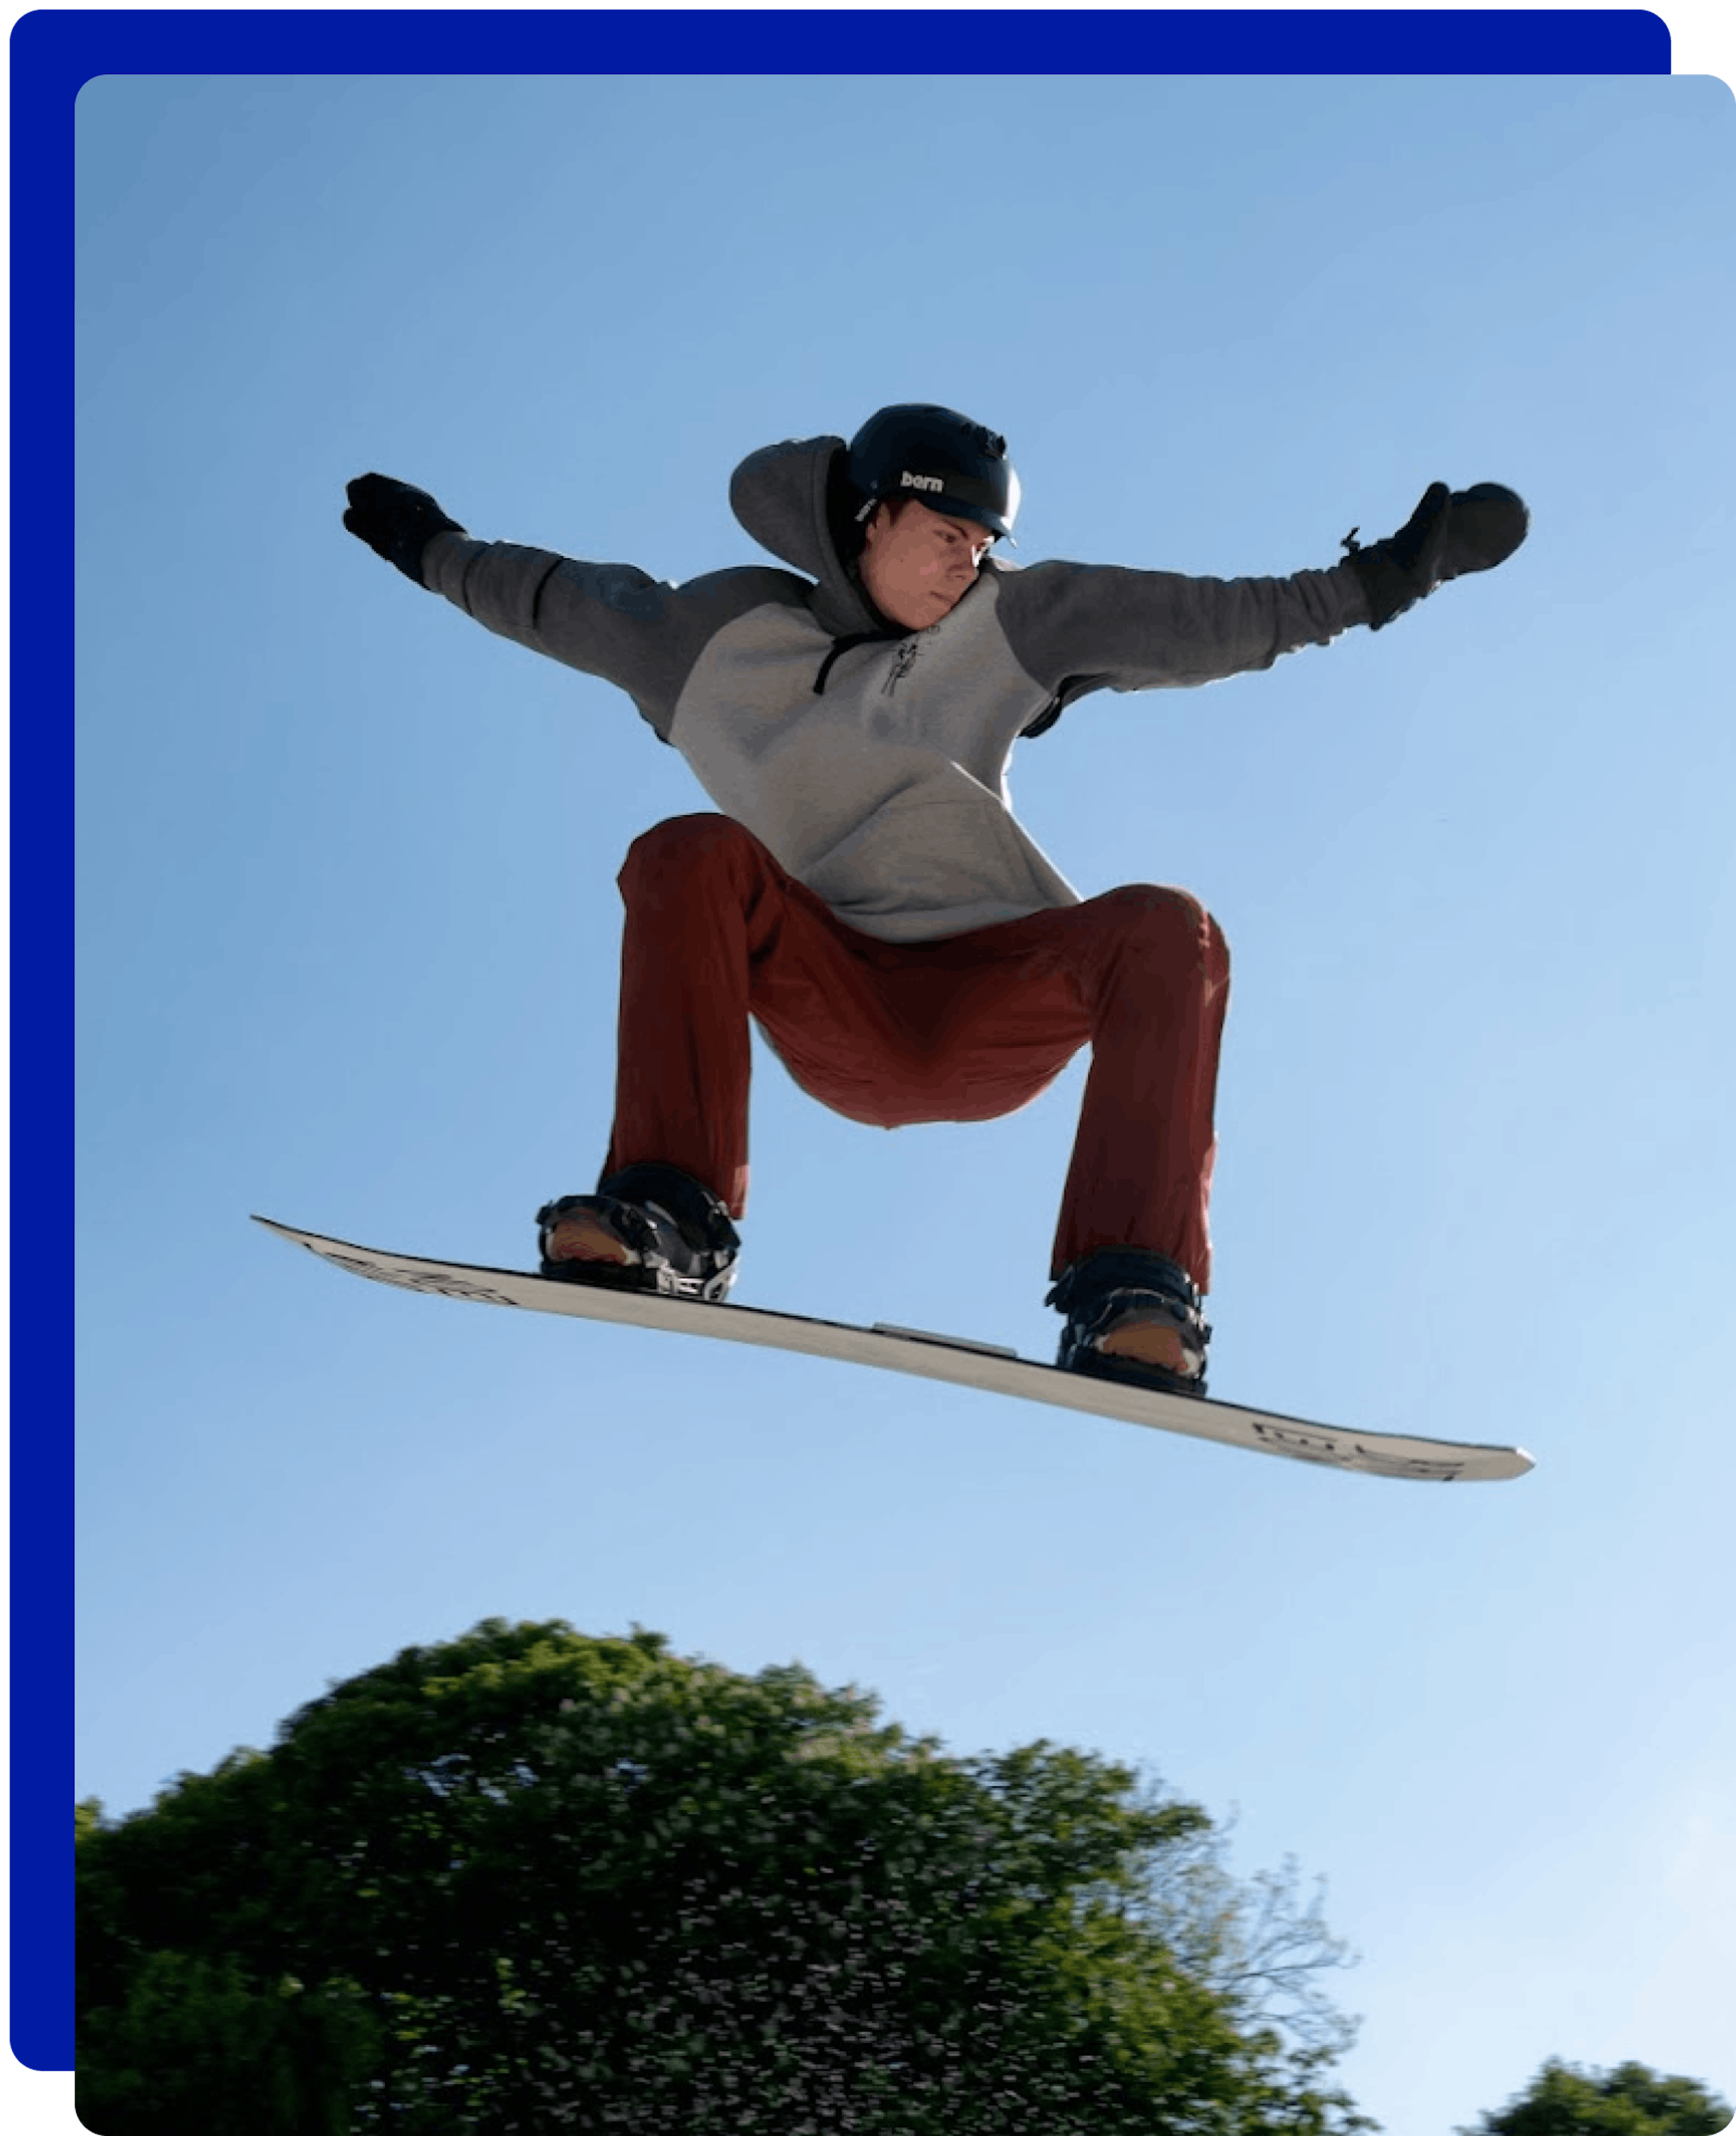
1168 912
682 842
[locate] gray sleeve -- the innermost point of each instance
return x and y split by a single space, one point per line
611 620
1145 630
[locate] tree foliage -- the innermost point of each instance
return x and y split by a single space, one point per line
529 1881
1633 2100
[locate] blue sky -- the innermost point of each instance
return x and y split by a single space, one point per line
348 930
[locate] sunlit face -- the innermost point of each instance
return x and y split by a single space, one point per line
918 564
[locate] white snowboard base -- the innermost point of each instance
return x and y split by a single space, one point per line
987 1365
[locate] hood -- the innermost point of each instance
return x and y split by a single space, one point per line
781 495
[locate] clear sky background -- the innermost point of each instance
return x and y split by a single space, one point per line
348 931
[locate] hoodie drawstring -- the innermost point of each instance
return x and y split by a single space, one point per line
839 647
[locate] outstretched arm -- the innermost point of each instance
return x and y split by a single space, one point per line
1076 627
611 620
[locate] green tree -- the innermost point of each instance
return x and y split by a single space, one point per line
528 1880
1633 2100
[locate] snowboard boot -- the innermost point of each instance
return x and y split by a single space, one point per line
1135 1317
647 1227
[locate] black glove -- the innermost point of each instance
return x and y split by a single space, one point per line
1447 535
396 520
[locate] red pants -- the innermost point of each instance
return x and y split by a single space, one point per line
893 1032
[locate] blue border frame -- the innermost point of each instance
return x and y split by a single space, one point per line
53 54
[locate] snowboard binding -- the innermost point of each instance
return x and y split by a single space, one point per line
1134 1316
647 1227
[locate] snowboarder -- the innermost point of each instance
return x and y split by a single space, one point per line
866 894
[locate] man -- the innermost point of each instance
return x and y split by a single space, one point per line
867 896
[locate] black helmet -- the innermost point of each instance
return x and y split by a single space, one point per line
940 458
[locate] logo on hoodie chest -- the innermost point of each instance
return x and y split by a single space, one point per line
903 660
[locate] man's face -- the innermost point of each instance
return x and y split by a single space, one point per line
918 565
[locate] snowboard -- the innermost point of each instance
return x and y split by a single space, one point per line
989 1367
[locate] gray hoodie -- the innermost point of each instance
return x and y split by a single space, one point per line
870 760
